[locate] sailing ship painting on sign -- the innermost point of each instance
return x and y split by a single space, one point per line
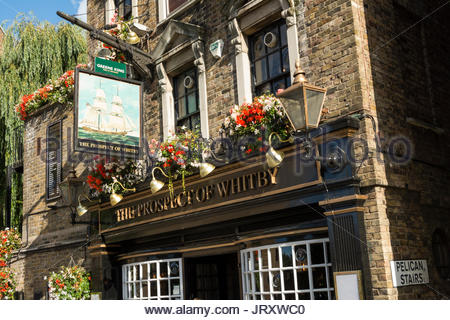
108 114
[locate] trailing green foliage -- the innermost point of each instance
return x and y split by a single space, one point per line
33 52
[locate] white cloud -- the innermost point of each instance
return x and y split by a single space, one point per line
82 9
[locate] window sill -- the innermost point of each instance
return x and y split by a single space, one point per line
179 11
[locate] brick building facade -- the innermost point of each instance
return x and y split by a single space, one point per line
382 59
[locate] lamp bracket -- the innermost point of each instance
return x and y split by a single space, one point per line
73 216
335 160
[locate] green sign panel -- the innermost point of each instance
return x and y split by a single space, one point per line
111 67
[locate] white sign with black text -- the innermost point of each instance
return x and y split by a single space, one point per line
409 272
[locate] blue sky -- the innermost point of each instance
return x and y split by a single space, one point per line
42 9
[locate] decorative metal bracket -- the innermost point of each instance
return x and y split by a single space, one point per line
336 160
142 61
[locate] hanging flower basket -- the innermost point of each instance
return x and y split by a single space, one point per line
103 172
250 124
121 30
179 156
70 283
9 241
56 91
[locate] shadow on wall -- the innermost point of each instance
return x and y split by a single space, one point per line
50 239
409 64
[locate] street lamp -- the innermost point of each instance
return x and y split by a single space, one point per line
71 191
302 102
70 188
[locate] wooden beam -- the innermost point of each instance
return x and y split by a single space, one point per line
353 197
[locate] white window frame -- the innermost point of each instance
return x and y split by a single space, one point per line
195 56
110 7
250 269
240 42
163 9
133 280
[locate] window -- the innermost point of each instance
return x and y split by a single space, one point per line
54 143
288 271
167 7
186 99
441 253
126 9
153 280
269 58
172 5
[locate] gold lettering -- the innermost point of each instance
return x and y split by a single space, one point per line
251 180
166 203
235 186
200 195
223 188
244 183
160 205
262 179
154 206
173 203
140 210
273 175
132 213
147 209
190 194
209 191
180 199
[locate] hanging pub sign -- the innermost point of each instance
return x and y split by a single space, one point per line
109 67
108 114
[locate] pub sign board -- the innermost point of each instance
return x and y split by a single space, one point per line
110 67
108 114
409 272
